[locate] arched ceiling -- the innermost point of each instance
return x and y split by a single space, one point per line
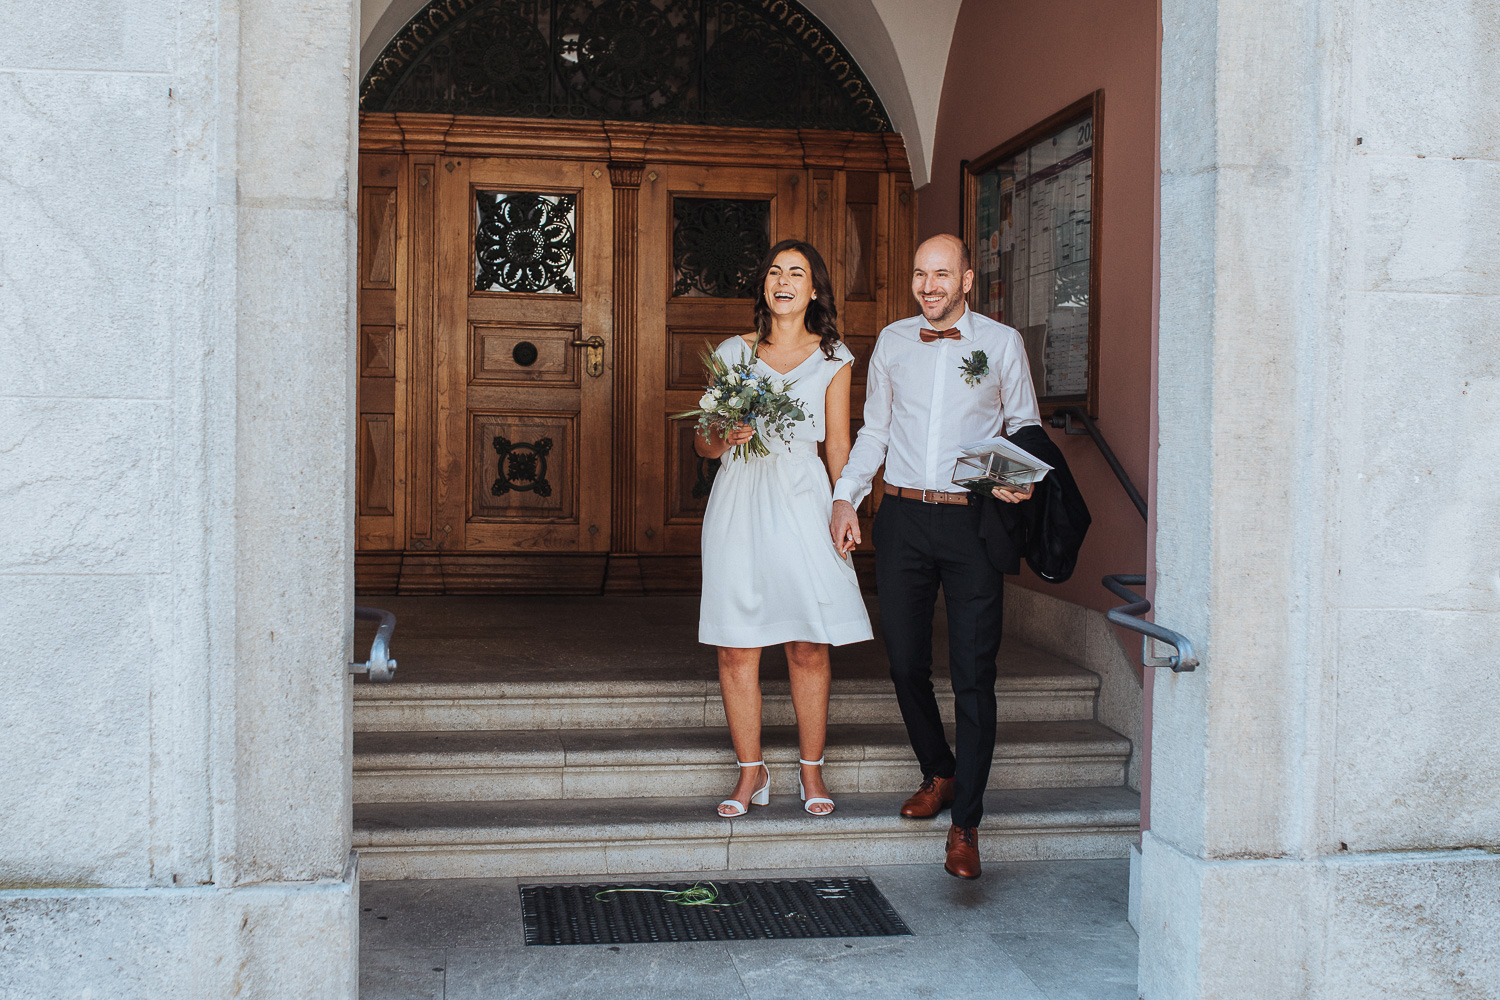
901 45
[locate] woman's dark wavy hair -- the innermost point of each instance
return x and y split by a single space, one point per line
822 312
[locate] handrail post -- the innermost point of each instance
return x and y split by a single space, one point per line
1126 616
379 667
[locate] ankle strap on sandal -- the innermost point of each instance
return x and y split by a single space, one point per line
812 763
753 763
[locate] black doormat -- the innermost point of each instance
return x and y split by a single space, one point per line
762 908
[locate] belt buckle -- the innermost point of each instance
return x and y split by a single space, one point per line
924 496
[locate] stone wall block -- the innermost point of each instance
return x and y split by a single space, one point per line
270 941
1185 359
1228 929
1423 924
1425 79
298 71
87 262
1170 916
1432 225
1345 927
1189 122
1424 415
98 34
1183 495
1044 621
75 790
293 594
1264 74
1415 749
1121 695
82 484
1265 450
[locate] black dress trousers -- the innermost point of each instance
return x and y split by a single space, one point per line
919 546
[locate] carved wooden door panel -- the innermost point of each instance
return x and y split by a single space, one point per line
703 232
521 466
380 447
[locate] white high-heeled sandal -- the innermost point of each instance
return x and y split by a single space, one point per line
760 797
808 802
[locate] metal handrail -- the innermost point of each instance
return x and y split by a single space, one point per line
1063 417
380 666
1126 616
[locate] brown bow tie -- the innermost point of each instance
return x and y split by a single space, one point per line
928 336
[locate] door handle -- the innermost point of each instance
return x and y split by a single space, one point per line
593 355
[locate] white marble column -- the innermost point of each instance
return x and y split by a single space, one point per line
1324 786
176 394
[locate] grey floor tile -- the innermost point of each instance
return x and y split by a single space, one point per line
440 913
958 967
688 971
1081 897
401 974
1070 966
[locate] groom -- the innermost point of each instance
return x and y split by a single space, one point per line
936 382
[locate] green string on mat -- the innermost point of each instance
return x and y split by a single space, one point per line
698 894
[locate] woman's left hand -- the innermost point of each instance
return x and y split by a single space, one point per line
1012 494
740 435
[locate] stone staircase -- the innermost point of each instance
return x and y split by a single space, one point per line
582 775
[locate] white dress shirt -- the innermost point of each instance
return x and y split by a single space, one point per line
919 409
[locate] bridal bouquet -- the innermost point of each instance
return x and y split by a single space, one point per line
737 394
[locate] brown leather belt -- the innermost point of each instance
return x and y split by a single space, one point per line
926 496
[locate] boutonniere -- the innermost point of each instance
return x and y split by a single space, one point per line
975 367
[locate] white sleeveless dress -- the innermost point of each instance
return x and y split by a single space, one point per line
771 573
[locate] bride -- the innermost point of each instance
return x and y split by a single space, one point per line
771 573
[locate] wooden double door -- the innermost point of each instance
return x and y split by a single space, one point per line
533 302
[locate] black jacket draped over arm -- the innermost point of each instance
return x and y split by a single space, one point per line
1046 530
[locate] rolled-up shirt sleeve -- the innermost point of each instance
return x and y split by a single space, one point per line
869 449
1017 396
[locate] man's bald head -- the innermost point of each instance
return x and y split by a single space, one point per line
951 243
940 278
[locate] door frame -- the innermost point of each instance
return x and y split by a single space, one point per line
394 560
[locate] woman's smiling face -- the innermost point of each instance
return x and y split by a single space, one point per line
789 284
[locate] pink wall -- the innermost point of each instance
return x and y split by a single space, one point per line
1012 64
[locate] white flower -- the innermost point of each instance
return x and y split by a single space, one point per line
708 401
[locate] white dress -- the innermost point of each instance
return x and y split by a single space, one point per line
771 573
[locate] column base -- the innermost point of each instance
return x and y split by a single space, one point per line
1417 925
277 939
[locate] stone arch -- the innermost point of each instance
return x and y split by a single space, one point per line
760 63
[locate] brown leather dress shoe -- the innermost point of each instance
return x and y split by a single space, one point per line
963 852
931 798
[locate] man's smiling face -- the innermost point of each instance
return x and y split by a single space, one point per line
939 281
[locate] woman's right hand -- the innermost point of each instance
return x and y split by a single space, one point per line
739 435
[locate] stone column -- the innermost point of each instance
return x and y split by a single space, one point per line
1323 787
176 414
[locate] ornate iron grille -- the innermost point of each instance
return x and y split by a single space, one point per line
717 246
523 242
522 467
765 63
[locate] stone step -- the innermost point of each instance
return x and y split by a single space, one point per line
619 836
622 763
1048 691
